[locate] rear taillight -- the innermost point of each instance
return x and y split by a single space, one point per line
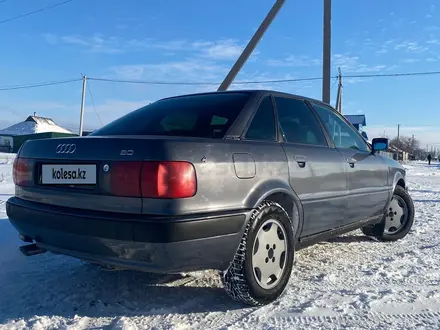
168 180
126 179
173 179
22 171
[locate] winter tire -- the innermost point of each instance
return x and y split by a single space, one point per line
263 263
398 218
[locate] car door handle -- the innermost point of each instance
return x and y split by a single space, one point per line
301 160
351 161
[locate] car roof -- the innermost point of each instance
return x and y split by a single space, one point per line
252 91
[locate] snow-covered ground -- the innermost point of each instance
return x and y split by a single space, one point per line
350 282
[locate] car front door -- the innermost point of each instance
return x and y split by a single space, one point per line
317 172
367 174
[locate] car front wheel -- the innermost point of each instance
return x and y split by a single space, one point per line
398 218
263 263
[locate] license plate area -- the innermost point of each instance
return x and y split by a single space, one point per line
69 175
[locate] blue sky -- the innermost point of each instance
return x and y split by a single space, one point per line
199 40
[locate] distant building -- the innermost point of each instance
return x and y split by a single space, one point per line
359 122
12 137
398 154
34 125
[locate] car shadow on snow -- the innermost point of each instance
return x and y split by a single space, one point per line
88 291
56 285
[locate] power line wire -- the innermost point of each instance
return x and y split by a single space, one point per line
93 103
34 11
378 75
374 75
41 84
203 83
151 82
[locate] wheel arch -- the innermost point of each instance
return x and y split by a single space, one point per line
280 192
399 180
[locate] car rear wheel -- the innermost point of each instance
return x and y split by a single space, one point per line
263 263
398 219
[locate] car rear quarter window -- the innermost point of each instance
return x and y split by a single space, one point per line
204 115
298 123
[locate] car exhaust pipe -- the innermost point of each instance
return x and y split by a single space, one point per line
31 250
26 239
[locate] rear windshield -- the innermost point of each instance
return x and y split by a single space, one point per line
204 115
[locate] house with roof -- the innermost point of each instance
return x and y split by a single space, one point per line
359 122
34 127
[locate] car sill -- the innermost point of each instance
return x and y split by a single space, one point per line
315 238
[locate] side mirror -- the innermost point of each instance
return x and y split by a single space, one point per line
379 144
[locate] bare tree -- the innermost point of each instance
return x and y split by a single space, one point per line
408 144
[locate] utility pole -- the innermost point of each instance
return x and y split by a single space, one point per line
251 45
339 94
398 131
412 141
83 100
326 53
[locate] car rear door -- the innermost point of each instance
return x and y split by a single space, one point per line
367 174
317 171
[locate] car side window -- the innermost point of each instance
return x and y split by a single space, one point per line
298 123
342 134
263 124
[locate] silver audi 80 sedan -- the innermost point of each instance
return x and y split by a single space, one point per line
235 181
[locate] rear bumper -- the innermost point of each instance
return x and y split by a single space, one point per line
154 244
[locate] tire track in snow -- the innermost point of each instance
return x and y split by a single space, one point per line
368 320
244 320
375 281
221 320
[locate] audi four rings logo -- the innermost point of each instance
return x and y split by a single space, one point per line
66 148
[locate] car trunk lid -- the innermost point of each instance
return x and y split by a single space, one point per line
103 173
